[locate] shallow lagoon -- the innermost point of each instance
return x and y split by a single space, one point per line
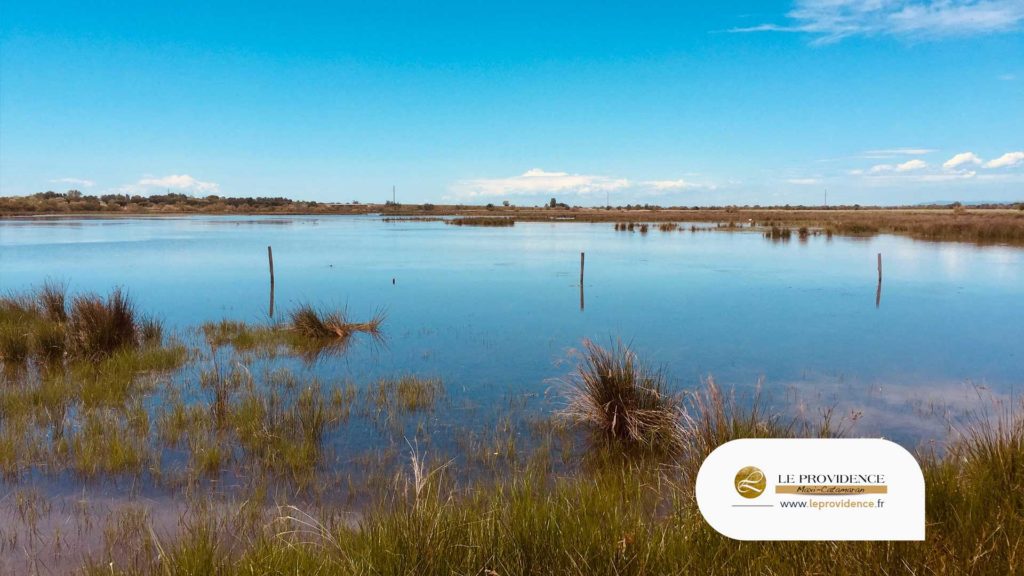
496 312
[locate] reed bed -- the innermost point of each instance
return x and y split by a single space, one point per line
778 233
412 219
481 221
41 324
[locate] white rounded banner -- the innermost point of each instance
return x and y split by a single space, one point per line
812 489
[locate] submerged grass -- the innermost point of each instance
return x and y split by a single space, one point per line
405 394
628 516
309 333
246 425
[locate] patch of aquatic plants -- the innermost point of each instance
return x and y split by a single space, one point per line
778 233
481 221
404 394
621 515
308 333
43 326
513 499
412 219
75 371
316 324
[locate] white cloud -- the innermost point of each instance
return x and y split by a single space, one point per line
830 21
670 185
1007 77
960 159
174 182
538 181
1006 160
894 152
81 182
908 166
945 177
911 165
803 181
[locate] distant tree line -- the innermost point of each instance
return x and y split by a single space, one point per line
76 201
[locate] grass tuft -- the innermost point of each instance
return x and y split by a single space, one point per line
52 298
315 324
616 394
14 344
99 327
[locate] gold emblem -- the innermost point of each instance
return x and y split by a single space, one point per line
750 482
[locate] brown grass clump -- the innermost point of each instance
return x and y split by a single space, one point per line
622 398
52 299
97 326
14 344
317 325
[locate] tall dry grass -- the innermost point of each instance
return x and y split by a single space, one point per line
99 326
622 398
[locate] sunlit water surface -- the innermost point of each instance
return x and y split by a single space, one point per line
497 312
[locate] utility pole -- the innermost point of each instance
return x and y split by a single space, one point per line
393 195
826 197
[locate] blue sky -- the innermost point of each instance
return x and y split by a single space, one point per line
880 102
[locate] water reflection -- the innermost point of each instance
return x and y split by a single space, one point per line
485 308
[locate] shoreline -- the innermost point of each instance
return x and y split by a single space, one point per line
980 226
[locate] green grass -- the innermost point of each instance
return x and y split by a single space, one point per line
607 489
626 515
40 324
111 442
404 394
281 435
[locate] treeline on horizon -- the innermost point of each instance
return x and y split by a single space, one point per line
74 201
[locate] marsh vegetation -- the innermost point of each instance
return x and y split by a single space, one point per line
481 221
984 224
262 465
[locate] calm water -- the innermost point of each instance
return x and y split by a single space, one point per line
496 311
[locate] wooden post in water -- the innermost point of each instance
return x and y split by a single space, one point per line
878 291
582 257
270 259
